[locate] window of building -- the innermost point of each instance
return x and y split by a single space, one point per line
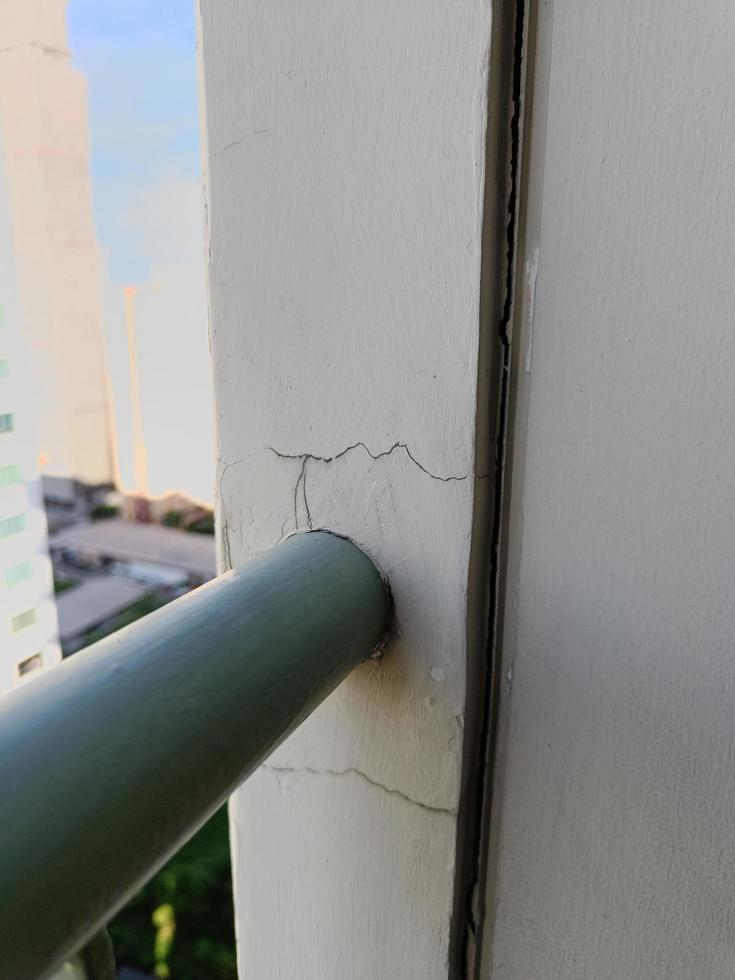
23 620
12 525
6 422
32 663
18 573
4 367
10 474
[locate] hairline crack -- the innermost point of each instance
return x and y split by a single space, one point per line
352 770
305 457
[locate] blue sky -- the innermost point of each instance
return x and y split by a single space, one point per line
131 20
139 59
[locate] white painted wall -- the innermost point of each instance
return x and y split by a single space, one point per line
345 188
617 843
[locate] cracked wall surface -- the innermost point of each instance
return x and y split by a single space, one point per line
286 771
396 698
345 195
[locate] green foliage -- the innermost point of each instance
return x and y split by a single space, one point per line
172 518
62 584
164 919
103 511
180 925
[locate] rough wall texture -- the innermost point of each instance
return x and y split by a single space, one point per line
616 844
345 189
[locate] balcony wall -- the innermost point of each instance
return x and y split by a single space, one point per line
345 195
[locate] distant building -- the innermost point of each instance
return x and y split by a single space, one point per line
164 438
91 603
28 632
147 552
44 125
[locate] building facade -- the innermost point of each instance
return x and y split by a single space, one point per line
28 627
44 124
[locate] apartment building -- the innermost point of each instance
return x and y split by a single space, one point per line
28 630
45 130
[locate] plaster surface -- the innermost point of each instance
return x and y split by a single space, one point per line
345 197
615 855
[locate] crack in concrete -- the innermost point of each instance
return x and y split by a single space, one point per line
306 500
226 466
306 458
288 770
376 456
247 136
301 482
226 554
299 478
226 551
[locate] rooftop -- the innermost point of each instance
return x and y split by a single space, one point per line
93 601
128 541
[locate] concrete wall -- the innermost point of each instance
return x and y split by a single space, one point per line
345 196
616 856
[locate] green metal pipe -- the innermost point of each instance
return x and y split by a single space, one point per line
112 760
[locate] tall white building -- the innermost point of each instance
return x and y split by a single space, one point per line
45 129
28 627
164 439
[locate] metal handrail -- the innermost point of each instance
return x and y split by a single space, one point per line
112 760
